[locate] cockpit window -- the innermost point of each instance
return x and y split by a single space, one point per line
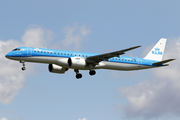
17 49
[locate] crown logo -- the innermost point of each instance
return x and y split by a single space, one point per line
157 49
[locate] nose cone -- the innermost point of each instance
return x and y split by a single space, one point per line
8 55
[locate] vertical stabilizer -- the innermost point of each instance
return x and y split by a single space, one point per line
158 50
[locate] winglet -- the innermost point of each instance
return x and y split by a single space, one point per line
131 48
135 47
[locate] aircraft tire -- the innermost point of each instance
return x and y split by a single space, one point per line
78 76
92 72
23 68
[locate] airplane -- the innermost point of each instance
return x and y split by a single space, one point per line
60 61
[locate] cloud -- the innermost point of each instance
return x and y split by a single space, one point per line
74 36
11 80
159 96
83 119
11 76
4 119
37 37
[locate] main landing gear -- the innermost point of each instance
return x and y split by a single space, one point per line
79 75
23 63
92 72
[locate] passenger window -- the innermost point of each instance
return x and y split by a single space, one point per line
116 58
61 53
79 55
125 59
134 60
51 52
128 59
68 54
86 55
54 53
44 51
75 54
38 51
83 55
119 59
34 51
122 59
64 53
71 54
41 51
58 53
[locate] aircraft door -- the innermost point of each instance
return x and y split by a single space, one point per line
13 54
29 51
139 62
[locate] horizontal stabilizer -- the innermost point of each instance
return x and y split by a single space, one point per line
164 61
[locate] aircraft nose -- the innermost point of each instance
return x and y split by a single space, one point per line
8 55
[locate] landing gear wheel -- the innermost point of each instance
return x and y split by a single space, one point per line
92 72
78 76
23 68
23 63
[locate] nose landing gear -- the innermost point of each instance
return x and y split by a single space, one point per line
23 63
23 68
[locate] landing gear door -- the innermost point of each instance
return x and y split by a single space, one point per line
29 52
139 62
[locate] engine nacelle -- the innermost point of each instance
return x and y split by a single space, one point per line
62 62
77 62
57 69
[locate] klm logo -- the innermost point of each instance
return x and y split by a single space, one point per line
157 51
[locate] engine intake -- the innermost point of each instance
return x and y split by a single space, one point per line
57 69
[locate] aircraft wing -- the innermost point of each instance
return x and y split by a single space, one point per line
98 58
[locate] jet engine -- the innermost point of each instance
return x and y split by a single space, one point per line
57 69
77 62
